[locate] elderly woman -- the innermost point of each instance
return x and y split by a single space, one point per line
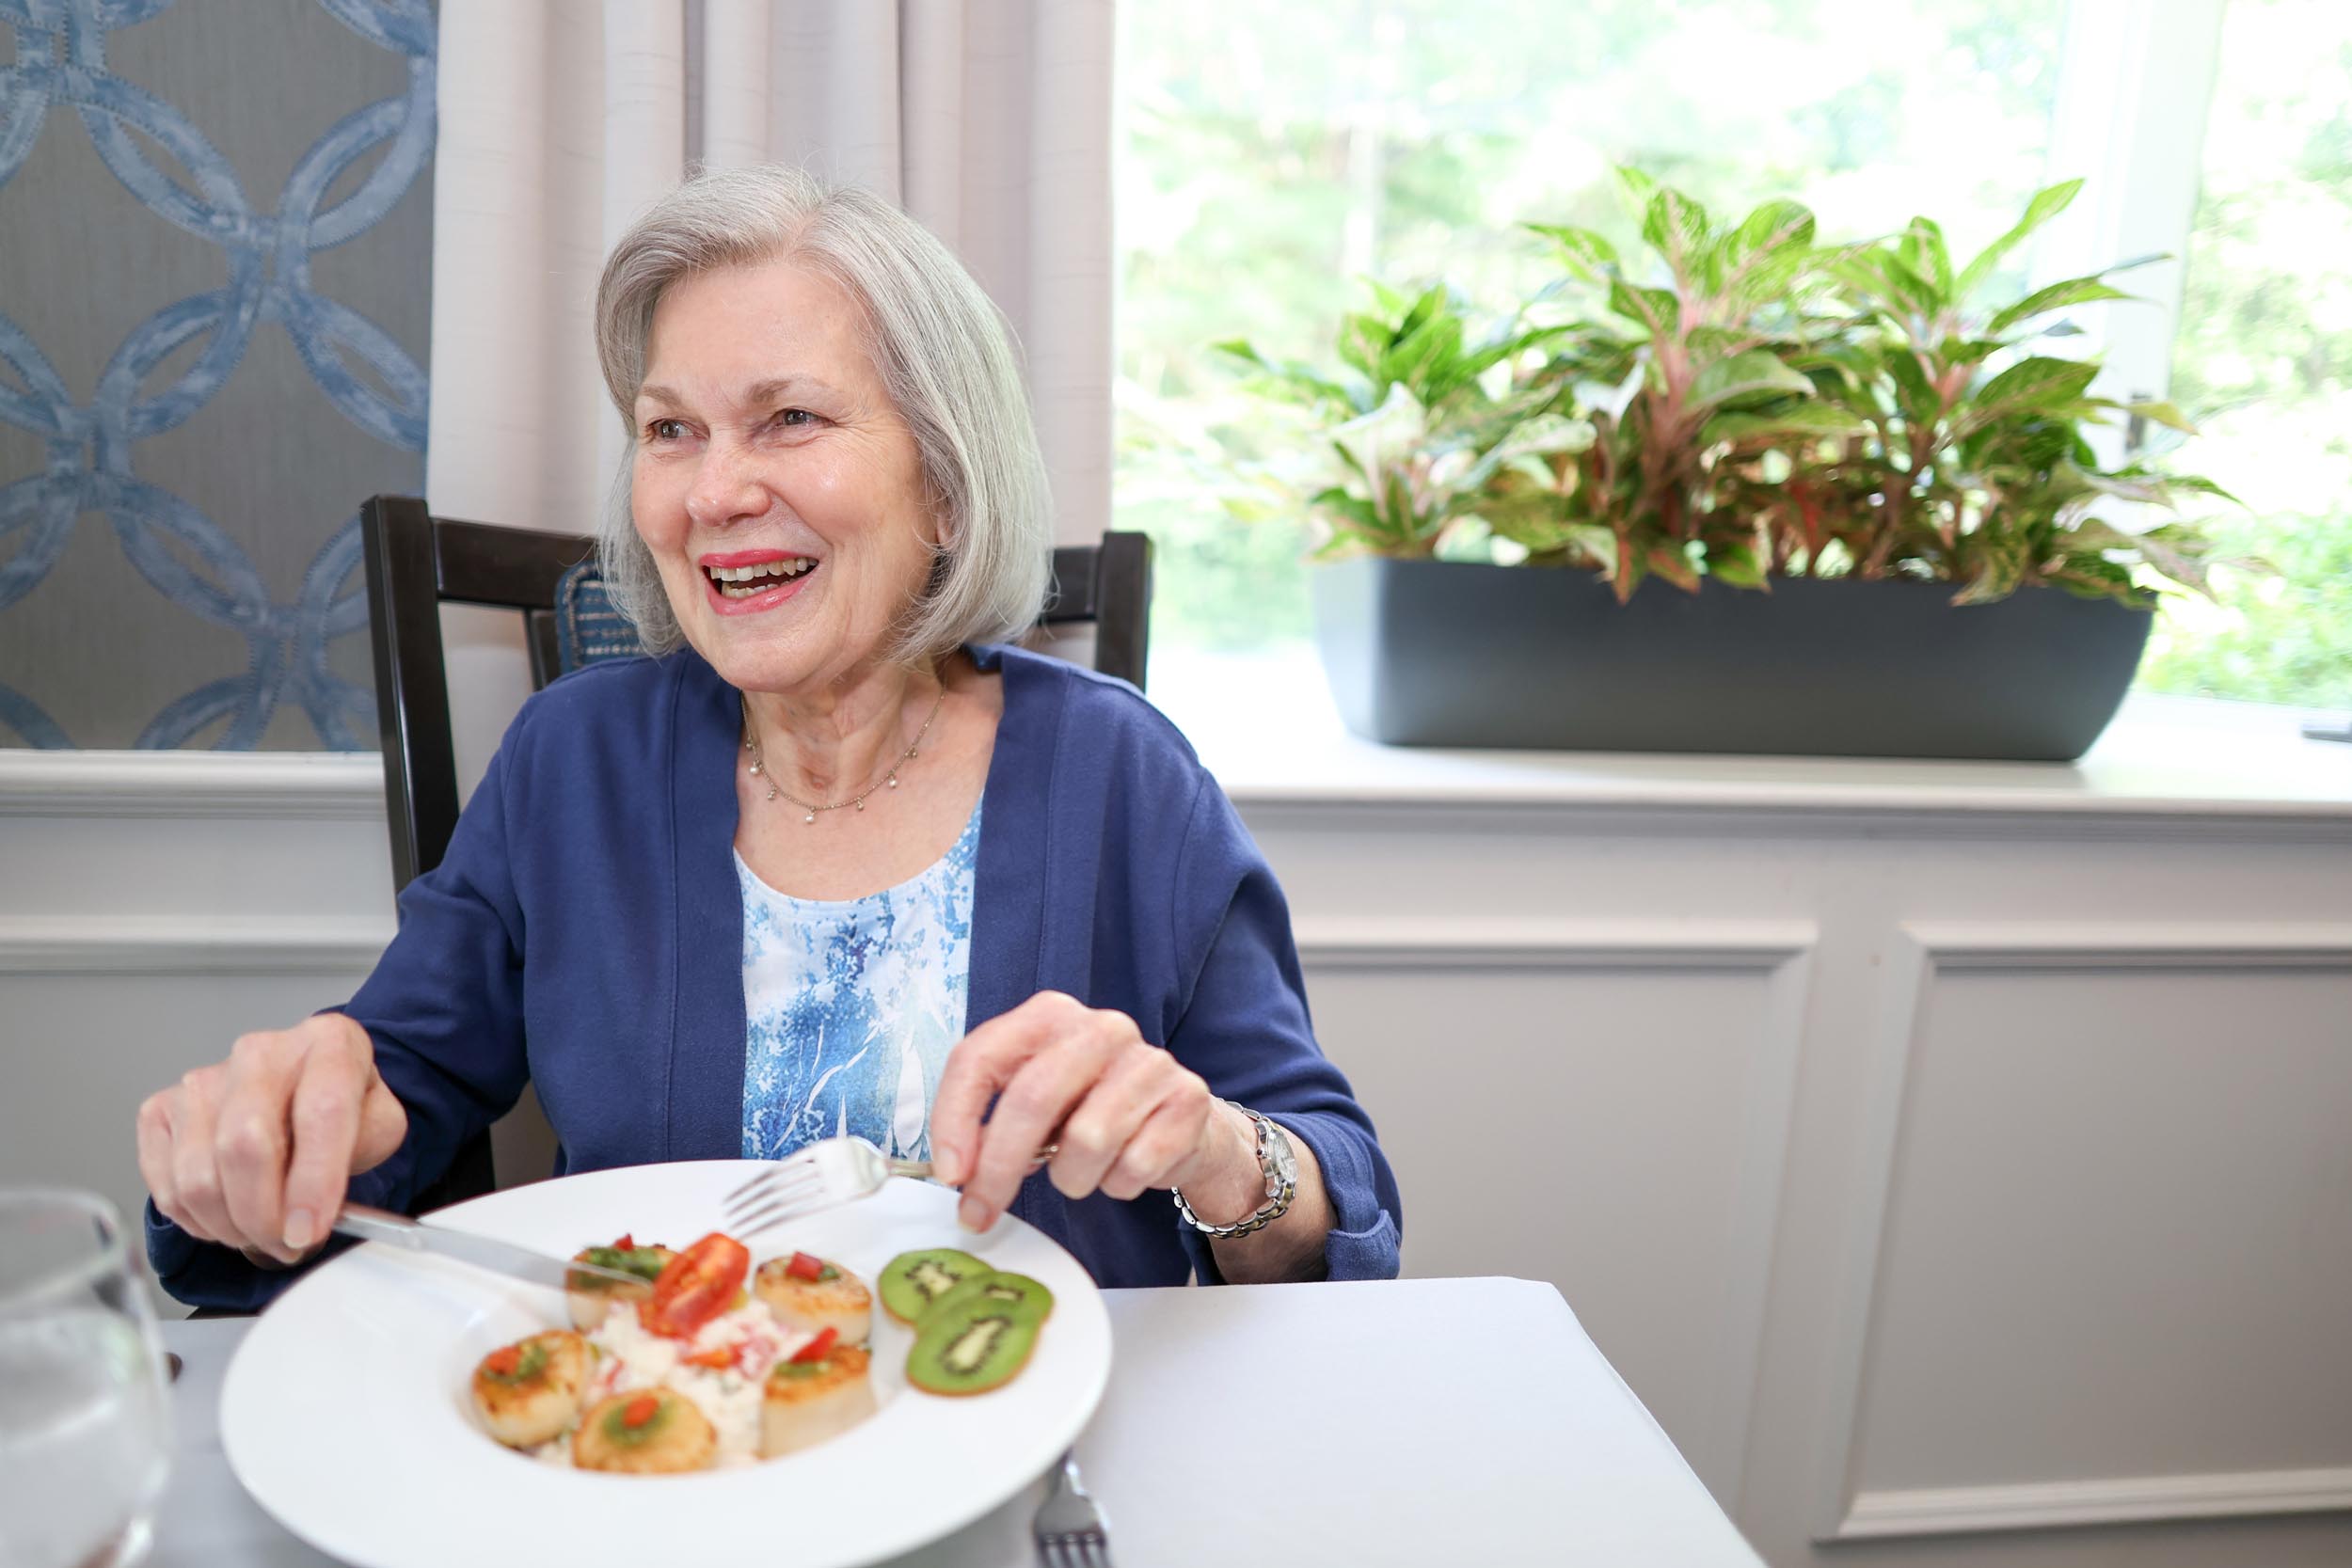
832 858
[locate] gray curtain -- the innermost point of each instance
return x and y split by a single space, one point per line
988 119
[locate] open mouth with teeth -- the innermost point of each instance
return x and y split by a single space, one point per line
759 576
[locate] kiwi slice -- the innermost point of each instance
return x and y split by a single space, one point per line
971 1349
912 1281
1014 1293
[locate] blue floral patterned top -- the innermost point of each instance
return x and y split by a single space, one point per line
853 1006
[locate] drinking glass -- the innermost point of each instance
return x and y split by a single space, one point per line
84 1426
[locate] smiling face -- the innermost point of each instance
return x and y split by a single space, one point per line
779 492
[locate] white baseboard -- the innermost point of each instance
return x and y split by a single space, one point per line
2130 1499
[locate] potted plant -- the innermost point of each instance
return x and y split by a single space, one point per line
1808 498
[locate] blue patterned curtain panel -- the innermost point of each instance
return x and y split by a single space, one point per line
197 385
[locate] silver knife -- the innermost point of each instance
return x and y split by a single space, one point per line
382 1224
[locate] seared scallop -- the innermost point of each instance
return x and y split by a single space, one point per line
650 1432
812 1295
529 1391
807 1402
590 1298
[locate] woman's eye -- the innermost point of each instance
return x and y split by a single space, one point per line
796 417
666 430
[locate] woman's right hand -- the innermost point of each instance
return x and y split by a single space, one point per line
255 1151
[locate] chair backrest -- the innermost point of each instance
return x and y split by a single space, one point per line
416 562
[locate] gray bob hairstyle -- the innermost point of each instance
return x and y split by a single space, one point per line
945 355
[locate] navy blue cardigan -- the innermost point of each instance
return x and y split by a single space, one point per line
584 932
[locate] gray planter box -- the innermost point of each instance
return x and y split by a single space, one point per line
1426 652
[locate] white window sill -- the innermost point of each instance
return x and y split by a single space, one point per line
1265 725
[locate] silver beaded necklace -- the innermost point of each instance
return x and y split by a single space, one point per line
889 777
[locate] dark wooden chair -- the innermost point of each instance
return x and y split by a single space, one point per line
416 562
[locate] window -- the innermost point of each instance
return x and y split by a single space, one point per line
1271 158
2264 360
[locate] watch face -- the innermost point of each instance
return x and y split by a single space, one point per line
1285 1161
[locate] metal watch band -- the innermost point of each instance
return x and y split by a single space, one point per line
1280 1185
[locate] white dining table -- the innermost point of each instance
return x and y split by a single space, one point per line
1402 1421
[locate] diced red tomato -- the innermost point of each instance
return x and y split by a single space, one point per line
636 1411
627 1242
697 1286
805 1265
818 1348
717 1360
507 1360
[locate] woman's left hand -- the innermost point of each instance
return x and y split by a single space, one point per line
1126 1115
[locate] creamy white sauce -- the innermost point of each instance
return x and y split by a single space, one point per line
631 1358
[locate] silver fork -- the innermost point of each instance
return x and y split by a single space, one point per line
1071 1529
827 1172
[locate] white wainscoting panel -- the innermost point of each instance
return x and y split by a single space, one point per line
82 1046
153 908
1528 1074
2105 1269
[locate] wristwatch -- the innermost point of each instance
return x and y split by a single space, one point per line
1280 1169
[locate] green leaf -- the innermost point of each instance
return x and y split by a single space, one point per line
1772 226
1923 251
1737 565
1919 397
1638 187
2040 383
2164 414
1530 440
1350 516
1908 286
1656 310
1668 562
1289 379
1878 280
1243 350
2046 204
2198 485
1398 514
1588 254
2075 291
1678 227
1743 374
1807 420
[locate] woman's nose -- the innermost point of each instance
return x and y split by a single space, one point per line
725 489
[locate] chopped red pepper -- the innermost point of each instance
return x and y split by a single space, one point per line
627 1242
818 1348
505 1360
805 1265
636 1411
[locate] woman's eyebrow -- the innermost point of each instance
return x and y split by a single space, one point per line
757 392
783 387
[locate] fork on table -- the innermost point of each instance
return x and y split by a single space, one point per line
1069 1527
828 1172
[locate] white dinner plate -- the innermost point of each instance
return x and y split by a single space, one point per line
346 1414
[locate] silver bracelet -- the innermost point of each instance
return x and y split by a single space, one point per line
1279 1165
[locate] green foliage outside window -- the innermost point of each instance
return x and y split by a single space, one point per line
2264 361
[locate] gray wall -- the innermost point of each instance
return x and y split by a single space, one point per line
216 251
